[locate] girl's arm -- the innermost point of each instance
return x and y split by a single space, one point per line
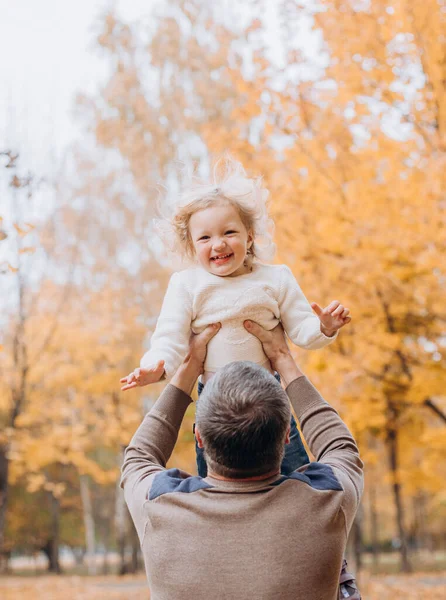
301 325
170 339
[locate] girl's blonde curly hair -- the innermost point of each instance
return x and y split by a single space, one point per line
229 183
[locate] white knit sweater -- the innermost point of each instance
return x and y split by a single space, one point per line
196 298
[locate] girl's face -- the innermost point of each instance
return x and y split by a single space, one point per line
220 240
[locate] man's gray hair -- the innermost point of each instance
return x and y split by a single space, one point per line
242 416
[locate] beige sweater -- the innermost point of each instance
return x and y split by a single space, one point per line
196 298
207 539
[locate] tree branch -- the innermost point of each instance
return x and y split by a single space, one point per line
430 404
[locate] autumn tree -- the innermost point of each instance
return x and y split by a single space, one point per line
389 169
18 189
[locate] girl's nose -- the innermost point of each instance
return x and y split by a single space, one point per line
218 243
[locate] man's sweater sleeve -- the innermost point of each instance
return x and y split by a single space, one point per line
300 323
150 449
170 340
330 441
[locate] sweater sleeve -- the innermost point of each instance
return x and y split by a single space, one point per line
170 340
301 325
330 441
150 449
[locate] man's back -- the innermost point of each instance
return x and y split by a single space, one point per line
279 538
282 537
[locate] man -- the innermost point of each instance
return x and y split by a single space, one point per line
245 532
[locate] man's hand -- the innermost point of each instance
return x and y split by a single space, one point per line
140 377
276 349
193 365
332 317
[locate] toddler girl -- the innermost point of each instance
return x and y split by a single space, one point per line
223 226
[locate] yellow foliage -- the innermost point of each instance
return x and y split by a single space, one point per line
355 161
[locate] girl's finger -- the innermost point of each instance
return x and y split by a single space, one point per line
159 365
317 309
337 311
332 306
345 312
128 386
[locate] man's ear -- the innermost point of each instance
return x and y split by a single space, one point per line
287 438
198 438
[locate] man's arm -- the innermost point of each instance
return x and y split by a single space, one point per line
330 441
328 437
154 440
150 449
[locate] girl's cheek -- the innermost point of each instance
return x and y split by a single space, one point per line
202 253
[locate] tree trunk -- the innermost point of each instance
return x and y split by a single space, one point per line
357 539
4 469
121 524
424 540
52 553
135 549
374 532
51 548
392 444
106 540
87 510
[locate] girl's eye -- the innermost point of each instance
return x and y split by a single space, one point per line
203 237
230 231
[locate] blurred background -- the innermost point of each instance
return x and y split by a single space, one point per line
340 105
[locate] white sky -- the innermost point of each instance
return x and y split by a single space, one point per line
48 54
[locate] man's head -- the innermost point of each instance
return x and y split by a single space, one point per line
243 419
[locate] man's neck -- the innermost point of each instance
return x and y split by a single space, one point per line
237 479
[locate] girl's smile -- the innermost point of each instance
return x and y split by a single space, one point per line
221 240
221 258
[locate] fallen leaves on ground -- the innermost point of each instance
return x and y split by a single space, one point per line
373 587
74 588
404 587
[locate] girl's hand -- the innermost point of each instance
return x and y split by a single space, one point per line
332 317
140 377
